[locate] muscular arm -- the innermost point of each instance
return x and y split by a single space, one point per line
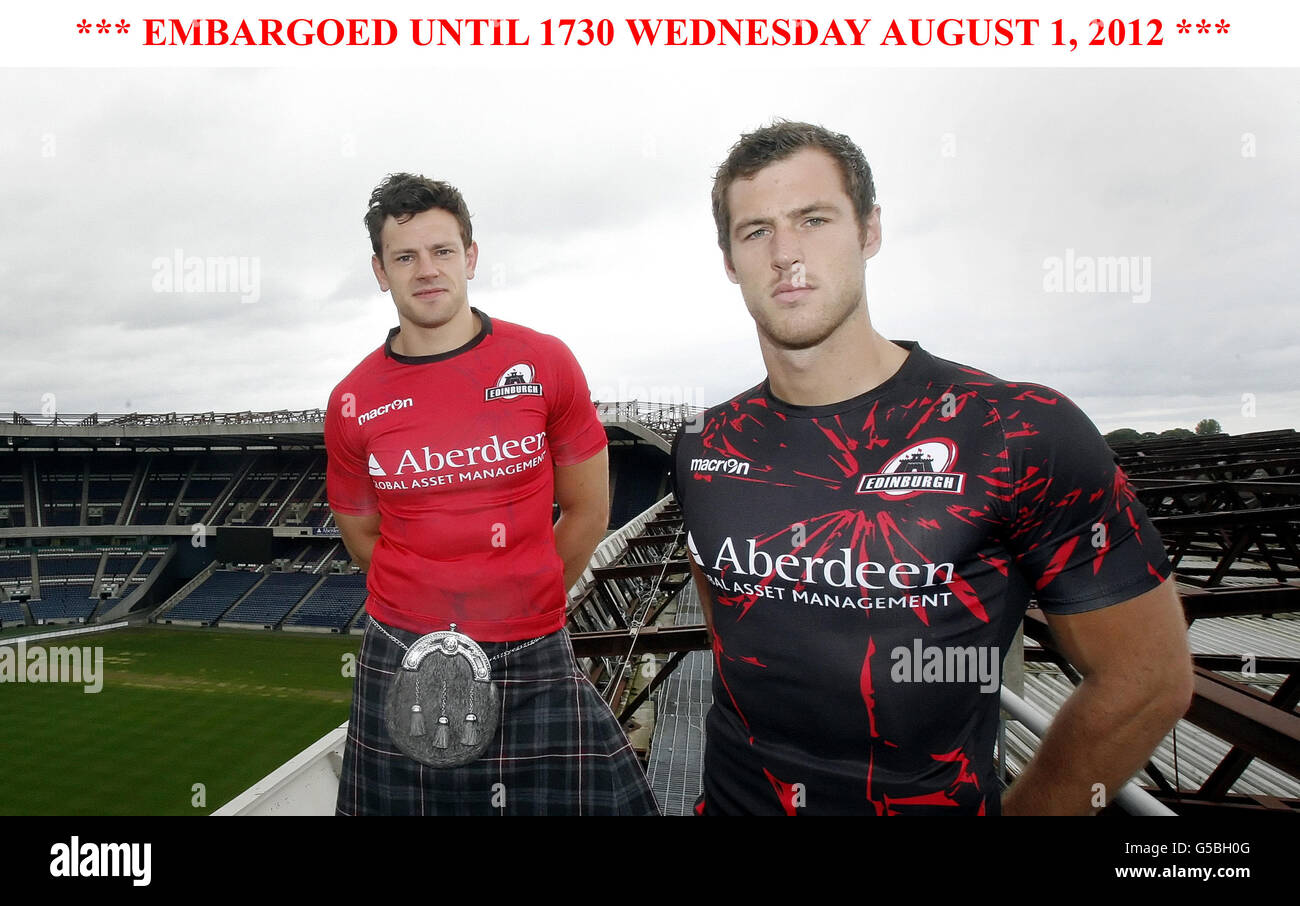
359 536
582 491
1137 684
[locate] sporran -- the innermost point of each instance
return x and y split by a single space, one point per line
443 707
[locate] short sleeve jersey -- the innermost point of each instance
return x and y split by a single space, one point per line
870 562
456 452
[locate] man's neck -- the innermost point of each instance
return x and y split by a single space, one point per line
850 362
413 340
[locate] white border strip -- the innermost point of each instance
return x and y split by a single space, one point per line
82 630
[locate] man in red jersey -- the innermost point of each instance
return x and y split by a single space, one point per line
447 446
868 524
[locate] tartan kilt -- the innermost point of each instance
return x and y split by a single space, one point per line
558 750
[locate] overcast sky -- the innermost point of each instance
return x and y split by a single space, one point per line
589 192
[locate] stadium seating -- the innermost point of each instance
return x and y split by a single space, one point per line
60 565
334 604
287 489
270 601
359 621
63 602
119 566
19 567
214 597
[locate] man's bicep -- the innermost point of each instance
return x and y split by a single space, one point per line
359 525
1139 639
359 533
584 485
348 484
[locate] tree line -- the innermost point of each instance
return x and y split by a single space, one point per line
1204 428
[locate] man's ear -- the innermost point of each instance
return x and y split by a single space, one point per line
471 260
727 266
870 233
378 267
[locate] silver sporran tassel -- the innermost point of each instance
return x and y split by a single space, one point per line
469 734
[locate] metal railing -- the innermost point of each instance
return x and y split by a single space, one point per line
117 420
662 418
665 416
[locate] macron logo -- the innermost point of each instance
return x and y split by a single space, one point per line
727 466
384 410
375 468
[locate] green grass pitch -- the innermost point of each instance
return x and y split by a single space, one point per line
178 707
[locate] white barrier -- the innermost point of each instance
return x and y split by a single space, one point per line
80 630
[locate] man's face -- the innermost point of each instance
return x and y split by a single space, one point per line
426 266
796 250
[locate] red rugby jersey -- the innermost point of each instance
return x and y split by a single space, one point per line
456 452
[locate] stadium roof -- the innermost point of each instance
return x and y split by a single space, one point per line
281 428
651 423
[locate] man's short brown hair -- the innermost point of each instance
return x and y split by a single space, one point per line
776 142
403 195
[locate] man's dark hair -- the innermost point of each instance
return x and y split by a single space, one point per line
781 140
403 195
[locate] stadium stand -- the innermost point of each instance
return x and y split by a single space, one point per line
333 605
164 488
160 494
297 552
268 604
58 492
214 597
11 615
81 515
119 566
358 622
105 496
68 565
62 602
18 566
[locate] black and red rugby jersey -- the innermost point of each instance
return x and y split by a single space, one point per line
457 452
870 562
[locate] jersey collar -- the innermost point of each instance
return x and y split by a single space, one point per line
912 365
441 356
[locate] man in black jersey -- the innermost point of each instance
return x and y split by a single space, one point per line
868 525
